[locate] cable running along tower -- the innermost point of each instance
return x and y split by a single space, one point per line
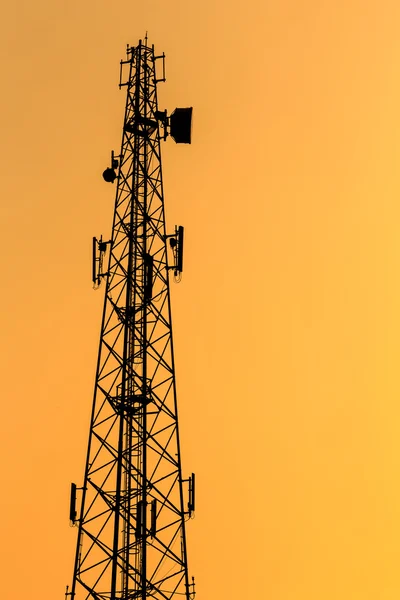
132 507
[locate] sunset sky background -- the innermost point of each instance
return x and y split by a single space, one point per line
287 321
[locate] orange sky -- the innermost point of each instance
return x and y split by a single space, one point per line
287 321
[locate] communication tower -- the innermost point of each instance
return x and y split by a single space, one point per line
132 508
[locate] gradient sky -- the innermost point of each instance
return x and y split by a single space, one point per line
286 323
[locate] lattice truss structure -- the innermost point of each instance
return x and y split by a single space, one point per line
131 521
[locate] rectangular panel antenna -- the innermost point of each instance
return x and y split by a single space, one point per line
139 519
148 278
72 505
94 258
179 250
191 503
153 525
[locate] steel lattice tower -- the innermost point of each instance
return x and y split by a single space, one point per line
132 507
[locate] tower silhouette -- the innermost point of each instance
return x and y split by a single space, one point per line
132 507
